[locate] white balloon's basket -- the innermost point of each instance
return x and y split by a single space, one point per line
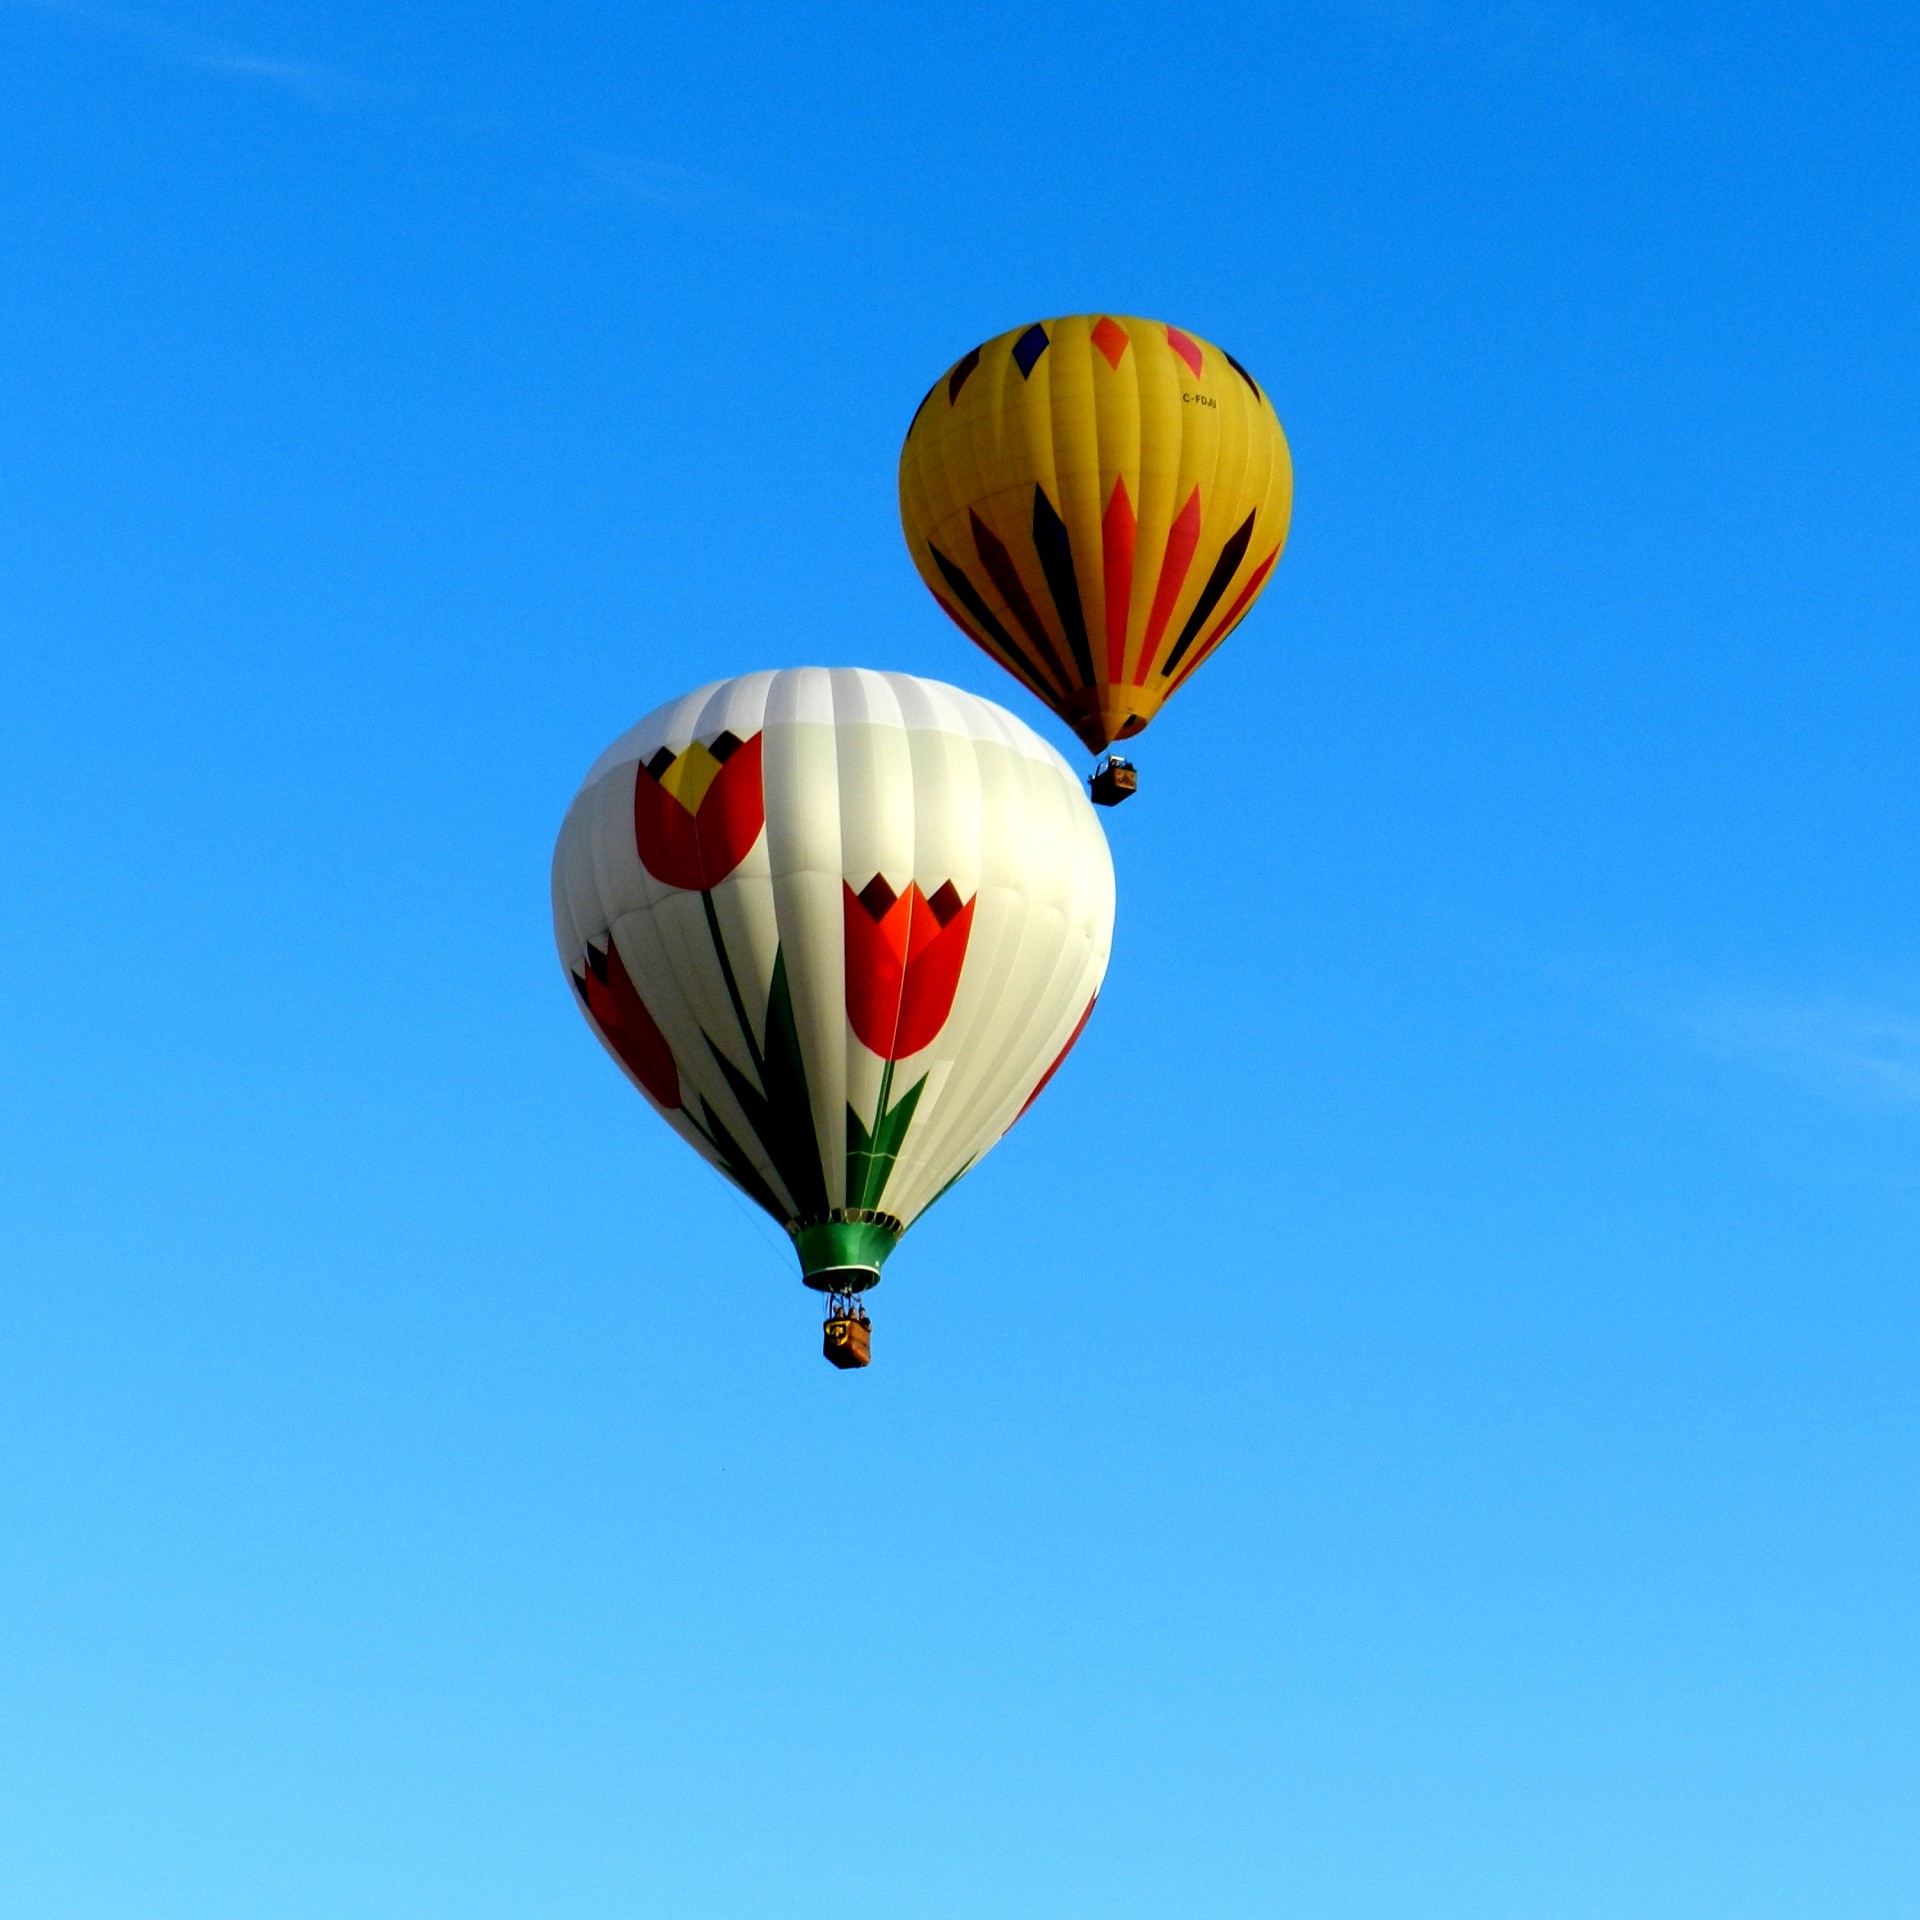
847 1338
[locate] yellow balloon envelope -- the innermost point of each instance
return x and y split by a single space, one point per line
1097 501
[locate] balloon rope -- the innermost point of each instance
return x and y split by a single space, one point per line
733 986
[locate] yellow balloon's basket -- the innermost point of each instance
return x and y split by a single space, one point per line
1113 780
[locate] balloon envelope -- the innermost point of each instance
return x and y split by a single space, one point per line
838 927
1096 501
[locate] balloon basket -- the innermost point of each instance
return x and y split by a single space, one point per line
847 1338
1113 780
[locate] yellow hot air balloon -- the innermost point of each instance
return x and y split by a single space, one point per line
1096 501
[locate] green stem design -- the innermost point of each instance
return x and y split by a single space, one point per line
733 986
871 1155
779 1108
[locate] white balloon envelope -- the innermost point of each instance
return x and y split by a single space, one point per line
839 927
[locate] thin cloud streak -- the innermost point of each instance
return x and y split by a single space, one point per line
178 44
673 189
316 82
654 183
1857 1055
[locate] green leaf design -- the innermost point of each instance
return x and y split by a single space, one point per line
870 1156
741 1170
780 1110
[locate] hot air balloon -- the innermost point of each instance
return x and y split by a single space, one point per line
839 927
1097 501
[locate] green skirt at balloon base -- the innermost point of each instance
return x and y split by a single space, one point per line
845 1255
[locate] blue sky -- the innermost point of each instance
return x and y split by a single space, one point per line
1419 1424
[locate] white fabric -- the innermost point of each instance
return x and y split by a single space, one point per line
864 773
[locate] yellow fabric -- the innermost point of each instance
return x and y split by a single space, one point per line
1104 402
691 774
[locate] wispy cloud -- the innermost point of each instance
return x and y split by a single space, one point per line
654 183
167 40
303 76
676 189
1570 39
1564 39
1861 1056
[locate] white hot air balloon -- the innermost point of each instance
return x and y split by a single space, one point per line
839 927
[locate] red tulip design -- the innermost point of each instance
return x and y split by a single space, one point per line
616 1009
696 814
904 953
